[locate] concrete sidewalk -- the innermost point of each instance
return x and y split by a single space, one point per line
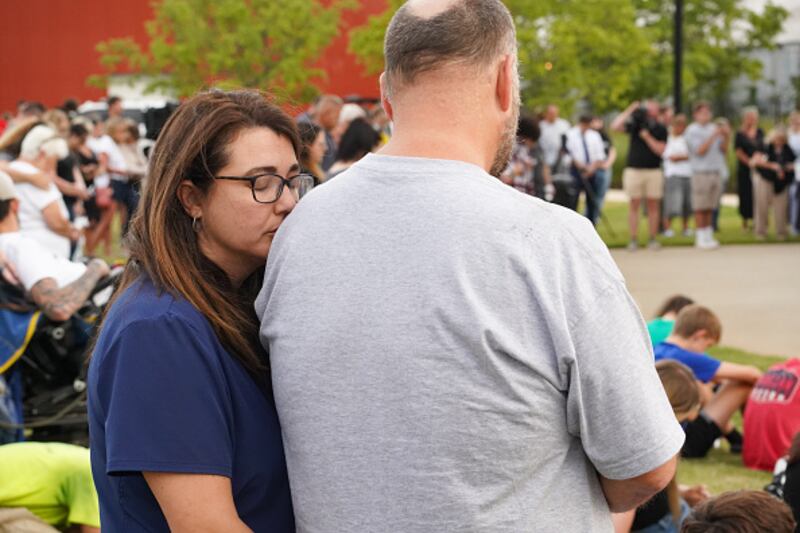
755 289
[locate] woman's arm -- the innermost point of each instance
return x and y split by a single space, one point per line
742 157
39 179
196 502
76 188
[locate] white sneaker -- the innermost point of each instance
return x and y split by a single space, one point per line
654 245
668 233
633 246
700 238
688 232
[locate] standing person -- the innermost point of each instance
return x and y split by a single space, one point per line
111 169
749 141
313 150
527 171
677 178
427 399
552 128
585 147
114 107
774 174
124 178
708 143
325 112
643 178
69 179
794 189
605 173
183 430
358 140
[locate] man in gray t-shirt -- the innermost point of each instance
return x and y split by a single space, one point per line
448 354
708 143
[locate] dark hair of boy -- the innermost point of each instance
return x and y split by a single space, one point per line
694 318
674 304
744 511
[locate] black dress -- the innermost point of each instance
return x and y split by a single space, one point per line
743 179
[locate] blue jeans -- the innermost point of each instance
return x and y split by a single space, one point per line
595 189
666 524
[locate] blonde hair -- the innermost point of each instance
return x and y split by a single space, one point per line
684 396
778 133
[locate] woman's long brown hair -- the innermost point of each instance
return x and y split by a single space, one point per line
163 245
684 397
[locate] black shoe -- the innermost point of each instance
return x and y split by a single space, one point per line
735 439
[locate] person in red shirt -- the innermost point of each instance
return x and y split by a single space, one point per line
772 416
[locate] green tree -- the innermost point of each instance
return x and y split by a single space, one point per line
229 43
569 50
608 52
718 38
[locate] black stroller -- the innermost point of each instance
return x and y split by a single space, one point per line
42 366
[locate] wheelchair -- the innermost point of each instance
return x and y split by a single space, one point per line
43 369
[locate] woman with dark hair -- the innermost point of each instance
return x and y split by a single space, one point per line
358 140
313 150
661 327
184 433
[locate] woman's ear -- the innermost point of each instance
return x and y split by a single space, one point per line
191 198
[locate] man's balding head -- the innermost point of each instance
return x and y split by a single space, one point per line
425 35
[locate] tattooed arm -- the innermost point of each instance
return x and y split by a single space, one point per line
61 303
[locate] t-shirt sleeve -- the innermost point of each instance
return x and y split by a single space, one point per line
40 198
81 499
616 404
704 367
31 263
165 400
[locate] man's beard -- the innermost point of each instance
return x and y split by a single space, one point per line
508 139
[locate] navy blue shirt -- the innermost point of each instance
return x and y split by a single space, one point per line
165 396
703 366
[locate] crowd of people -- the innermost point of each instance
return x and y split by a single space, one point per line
420 347
674 169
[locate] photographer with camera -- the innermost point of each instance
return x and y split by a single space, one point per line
643 177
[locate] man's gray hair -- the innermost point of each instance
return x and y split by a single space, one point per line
472 32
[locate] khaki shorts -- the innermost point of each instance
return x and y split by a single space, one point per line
641 183
706 190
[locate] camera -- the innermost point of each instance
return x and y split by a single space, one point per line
638 120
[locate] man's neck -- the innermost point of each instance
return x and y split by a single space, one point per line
680 342
433 144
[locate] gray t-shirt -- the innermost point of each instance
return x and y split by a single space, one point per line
449 354
713 160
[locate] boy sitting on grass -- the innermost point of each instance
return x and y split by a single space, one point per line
724 387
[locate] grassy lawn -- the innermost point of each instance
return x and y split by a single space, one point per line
723 471
730 225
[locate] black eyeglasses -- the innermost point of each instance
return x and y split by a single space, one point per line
267 188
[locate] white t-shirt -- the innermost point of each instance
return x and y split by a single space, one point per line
676 146
106 145
594 145
32 200
32 263
794 144
550 138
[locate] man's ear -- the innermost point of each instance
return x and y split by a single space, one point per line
191 199
700 334
504 85
385 103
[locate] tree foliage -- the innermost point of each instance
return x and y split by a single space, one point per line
608 52
229 43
